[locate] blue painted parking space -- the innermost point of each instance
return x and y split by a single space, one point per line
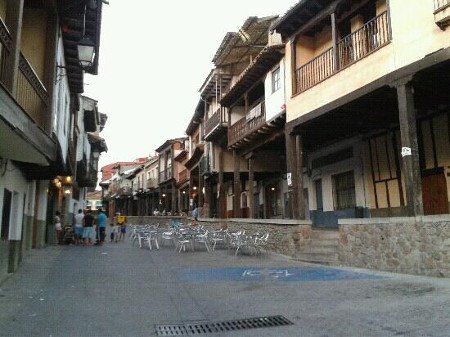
251 274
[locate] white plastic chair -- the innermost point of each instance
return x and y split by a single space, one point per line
203 238
167 236
182 242
218 237
151 236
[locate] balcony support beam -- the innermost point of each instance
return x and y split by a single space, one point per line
291 161
334 36
191 191
221 187
410 148
251 180
300 164
236 186
293 49
174 199
200 188
207 201
13 20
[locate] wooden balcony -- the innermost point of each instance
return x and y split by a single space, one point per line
375 34
442 13
31 93
216 124
204 166
151 183
183 176
441 4
165 175
247 125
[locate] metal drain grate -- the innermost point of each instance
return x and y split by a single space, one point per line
198 328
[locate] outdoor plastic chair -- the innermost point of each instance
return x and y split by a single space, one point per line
182 242
202 238
152 236
261 242
167 236
218 237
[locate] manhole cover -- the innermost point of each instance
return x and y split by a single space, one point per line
197 328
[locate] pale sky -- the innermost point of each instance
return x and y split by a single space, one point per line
154 56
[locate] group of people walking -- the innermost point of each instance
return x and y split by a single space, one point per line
88 227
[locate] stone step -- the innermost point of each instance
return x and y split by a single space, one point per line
322 258
323 249
327 243
324 234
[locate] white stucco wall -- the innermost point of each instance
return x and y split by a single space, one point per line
61 102
274 101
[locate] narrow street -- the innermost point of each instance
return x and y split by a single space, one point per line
121 290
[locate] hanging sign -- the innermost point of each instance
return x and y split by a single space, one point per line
289 178
406 151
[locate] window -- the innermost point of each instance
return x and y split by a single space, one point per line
276 82
344 190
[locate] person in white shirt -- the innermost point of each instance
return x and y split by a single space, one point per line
58 226
79 227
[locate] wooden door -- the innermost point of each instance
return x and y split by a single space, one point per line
434 193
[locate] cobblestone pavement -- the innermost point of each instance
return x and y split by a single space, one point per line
121 290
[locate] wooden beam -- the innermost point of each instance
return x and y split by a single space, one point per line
14 18
300 164
261 142
291 162
322 15
250 188
221 188
335 41
236 186
410 148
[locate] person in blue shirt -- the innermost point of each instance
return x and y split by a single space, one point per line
101 226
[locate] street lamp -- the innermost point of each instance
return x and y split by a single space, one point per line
86 52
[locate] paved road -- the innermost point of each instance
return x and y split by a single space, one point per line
120 290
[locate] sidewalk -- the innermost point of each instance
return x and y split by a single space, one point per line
120 290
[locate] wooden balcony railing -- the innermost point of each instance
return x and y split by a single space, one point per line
31 94
375 34
315 71
219 118
6 45
246 125
183 175
441 4
204 167
162 176
151 183
165 175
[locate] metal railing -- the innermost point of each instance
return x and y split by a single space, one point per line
219 117
245 126
441 4
375 34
